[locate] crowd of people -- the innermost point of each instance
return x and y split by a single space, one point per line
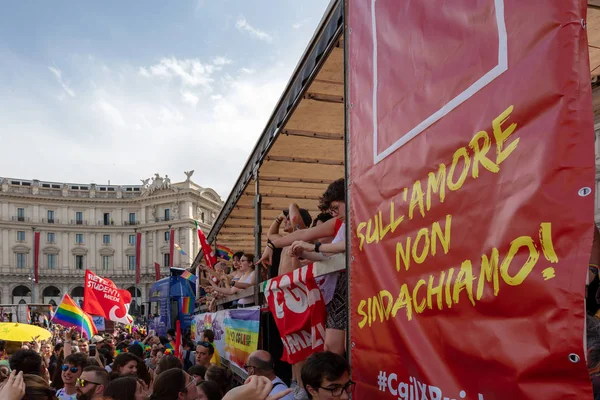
140 366
295 239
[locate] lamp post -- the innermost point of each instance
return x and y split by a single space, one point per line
33 265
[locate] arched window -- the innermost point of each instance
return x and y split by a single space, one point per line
77 291
21 291
135 292
51 291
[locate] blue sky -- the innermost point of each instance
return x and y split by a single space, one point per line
98 91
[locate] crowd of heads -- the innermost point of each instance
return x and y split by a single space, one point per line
145 369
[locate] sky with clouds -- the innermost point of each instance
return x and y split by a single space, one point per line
110 90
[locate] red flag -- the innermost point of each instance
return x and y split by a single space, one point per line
36 255
209 254
157 270
178 339
171 246
138 251
298 308
103 298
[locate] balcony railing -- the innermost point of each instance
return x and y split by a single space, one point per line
333 264
131 223
78 222
20 219
104 223
50 221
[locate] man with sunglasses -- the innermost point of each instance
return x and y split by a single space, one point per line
326 376
260 363
71 370
204 352
90 385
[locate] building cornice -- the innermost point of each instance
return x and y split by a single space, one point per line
125 201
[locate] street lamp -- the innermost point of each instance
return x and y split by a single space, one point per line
33 266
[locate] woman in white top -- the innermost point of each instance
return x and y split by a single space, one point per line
247 279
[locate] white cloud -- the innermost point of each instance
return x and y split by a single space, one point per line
190 72
189 98
58 74
221 61
130 122
242 25
248 71
300 24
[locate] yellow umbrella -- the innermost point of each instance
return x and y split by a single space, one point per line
15 332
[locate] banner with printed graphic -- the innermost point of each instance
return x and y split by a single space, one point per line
236 332
298 308
102 297
472 177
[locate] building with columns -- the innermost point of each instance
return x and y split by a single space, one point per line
92 226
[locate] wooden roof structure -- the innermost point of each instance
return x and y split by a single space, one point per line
301 149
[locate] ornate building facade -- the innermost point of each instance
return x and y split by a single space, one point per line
92 226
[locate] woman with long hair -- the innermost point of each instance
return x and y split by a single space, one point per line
125 364
173 382
247 279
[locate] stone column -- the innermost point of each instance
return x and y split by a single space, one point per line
5 249
36 214
92 255
119 252
64 253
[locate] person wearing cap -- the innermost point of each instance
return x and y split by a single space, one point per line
96 339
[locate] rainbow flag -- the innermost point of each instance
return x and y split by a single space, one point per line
189 276
224 252
187 305
179 249
69 314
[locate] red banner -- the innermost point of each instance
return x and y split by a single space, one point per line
157 271
299 312
209 254
138 253
36 256
171 247
471 204
101 297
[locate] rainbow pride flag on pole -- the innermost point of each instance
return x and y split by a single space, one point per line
69 314
189 276
179 249
187 305
224 253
